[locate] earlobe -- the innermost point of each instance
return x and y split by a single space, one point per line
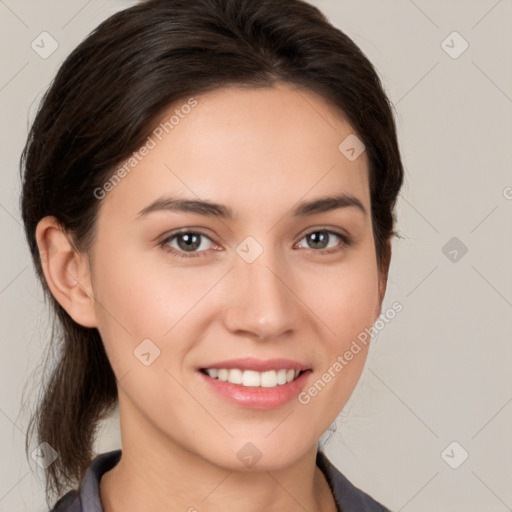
383 276
383 279
66 271
381 292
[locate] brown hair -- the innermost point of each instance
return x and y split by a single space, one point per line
102 105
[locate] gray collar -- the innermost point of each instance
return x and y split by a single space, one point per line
348 497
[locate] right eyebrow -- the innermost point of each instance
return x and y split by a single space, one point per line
200 207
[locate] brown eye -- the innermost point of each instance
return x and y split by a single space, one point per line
187 244
323 240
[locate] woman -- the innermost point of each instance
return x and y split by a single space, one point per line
208 196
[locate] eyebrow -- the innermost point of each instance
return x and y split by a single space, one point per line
212 209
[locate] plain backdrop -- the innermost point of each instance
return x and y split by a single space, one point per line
428 427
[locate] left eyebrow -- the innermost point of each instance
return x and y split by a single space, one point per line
325 204
211 209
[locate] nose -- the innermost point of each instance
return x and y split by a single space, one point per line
262 302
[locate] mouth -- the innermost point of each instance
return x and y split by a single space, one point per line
256 383
269 389
253 378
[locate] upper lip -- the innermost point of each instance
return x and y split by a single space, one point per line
259 365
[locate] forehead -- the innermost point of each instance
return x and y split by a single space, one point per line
263 148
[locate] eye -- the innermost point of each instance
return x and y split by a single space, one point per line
320 239
191 244
187 245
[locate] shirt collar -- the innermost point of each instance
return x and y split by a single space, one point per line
90 492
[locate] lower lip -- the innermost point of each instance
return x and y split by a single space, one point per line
257 397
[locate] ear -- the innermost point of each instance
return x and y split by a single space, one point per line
66 271
383 275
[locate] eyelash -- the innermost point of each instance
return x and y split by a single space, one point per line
345 242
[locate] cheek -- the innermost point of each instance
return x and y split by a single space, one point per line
346 306
143 291
146 298
135 301
345 298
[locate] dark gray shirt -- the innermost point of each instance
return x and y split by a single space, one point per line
87 499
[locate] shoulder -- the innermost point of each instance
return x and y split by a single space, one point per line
70 502
348 497
89 487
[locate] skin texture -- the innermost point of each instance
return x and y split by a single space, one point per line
260 152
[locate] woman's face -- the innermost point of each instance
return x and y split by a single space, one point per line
274 279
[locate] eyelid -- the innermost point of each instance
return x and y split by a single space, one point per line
179 231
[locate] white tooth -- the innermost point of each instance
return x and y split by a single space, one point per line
251 378
235 376
269 379
281 377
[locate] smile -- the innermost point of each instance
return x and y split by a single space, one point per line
252 378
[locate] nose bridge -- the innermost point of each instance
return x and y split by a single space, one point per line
262 303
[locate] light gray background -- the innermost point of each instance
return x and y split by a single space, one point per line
440 371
